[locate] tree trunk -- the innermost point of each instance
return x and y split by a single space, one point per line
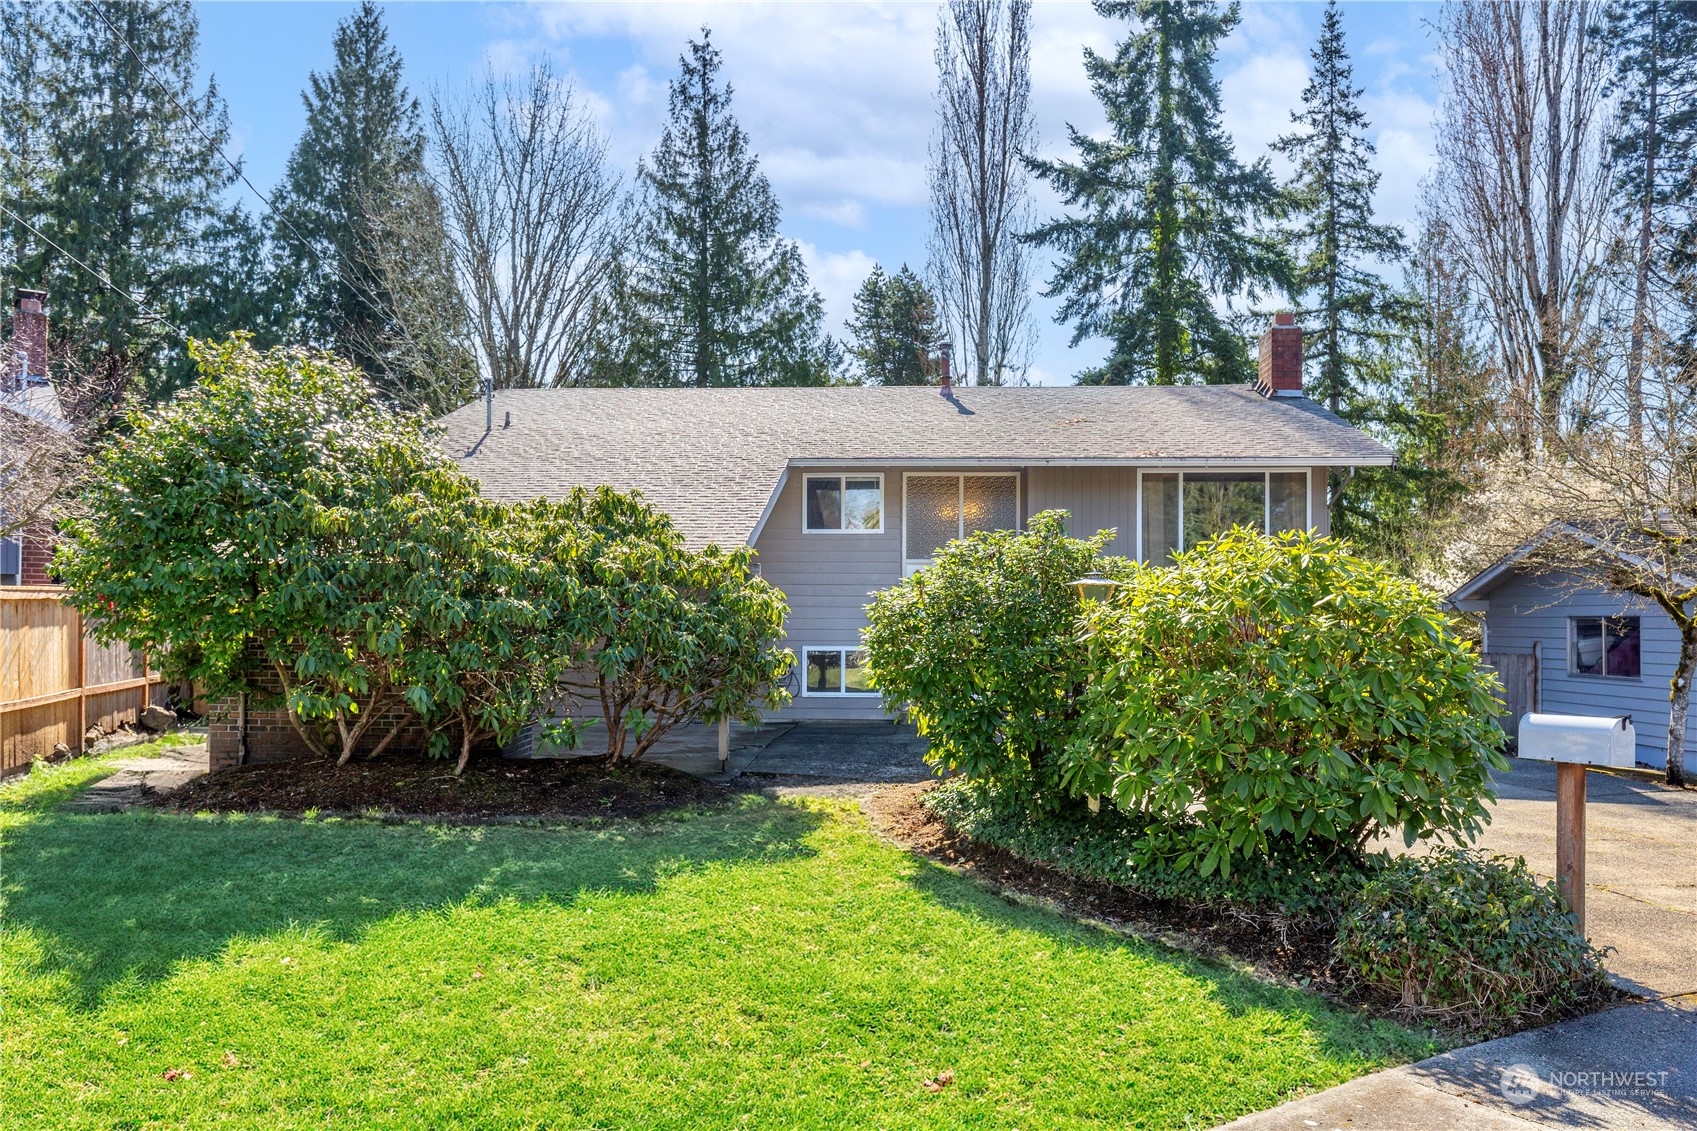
1679 699
1641 268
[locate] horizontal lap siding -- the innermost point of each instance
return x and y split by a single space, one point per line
1525 610
828 580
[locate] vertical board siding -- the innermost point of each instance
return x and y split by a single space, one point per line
1526 609
1095 498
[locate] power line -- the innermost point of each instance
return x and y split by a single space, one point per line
361 290
99 275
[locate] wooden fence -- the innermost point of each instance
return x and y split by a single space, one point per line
55 682
1519 676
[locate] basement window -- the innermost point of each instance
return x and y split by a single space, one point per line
836 671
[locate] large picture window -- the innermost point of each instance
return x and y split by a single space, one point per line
835 671
843 504
1184 509
1604 646
937 509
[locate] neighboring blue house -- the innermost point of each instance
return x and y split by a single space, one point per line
1598 651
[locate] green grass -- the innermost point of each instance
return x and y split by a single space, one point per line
767 964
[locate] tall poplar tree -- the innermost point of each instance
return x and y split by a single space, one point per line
1348 309
360 155
710 294
129 181
1653 149
1165 218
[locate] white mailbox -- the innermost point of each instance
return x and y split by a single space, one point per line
1587 740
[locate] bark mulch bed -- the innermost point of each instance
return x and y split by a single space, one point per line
491 789
1292 952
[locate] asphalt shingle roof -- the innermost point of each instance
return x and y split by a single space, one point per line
713 457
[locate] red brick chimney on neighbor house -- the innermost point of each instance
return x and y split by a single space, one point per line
26 361
1281 358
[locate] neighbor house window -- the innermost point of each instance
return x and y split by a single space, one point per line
839 504
1604 646
1184 509
937 509
835 671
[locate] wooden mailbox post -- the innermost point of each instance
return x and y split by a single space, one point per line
1573 743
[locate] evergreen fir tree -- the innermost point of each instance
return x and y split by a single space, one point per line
134 188
710 294
361 154
895 326
1334 243
1166 213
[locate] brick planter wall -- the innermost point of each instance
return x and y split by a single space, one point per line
272 738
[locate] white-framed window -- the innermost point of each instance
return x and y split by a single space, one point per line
1604 647
938 507
835 671
1180 509
842 504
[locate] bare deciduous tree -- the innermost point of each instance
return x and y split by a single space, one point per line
1523 185
40 458
534 223
1602 510
980 203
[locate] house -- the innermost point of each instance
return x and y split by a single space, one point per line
33 420
843 491
1594 650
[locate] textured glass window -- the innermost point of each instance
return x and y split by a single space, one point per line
1287 501
1160 518
933 514
990 502
1216 502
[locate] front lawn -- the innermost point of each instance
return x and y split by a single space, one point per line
757 963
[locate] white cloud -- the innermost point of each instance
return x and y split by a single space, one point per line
836 99
836 276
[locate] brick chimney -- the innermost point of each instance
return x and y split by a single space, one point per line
29 338
1280 371
947 352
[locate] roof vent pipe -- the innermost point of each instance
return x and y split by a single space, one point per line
947 352
488 405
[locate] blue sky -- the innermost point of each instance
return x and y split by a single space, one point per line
836 97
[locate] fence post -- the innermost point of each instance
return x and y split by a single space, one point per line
82 684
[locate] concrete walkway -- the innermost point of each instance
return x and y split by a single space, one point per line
163 771
1640 867
879 752
1630 1067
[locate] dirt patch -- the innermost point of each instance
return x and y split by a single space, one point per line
490 790
1292 952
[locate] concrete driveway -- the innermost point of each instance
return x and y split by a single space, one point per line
1640 866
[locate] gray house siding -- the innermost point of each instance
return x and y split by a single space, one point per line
828 578
1527 609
